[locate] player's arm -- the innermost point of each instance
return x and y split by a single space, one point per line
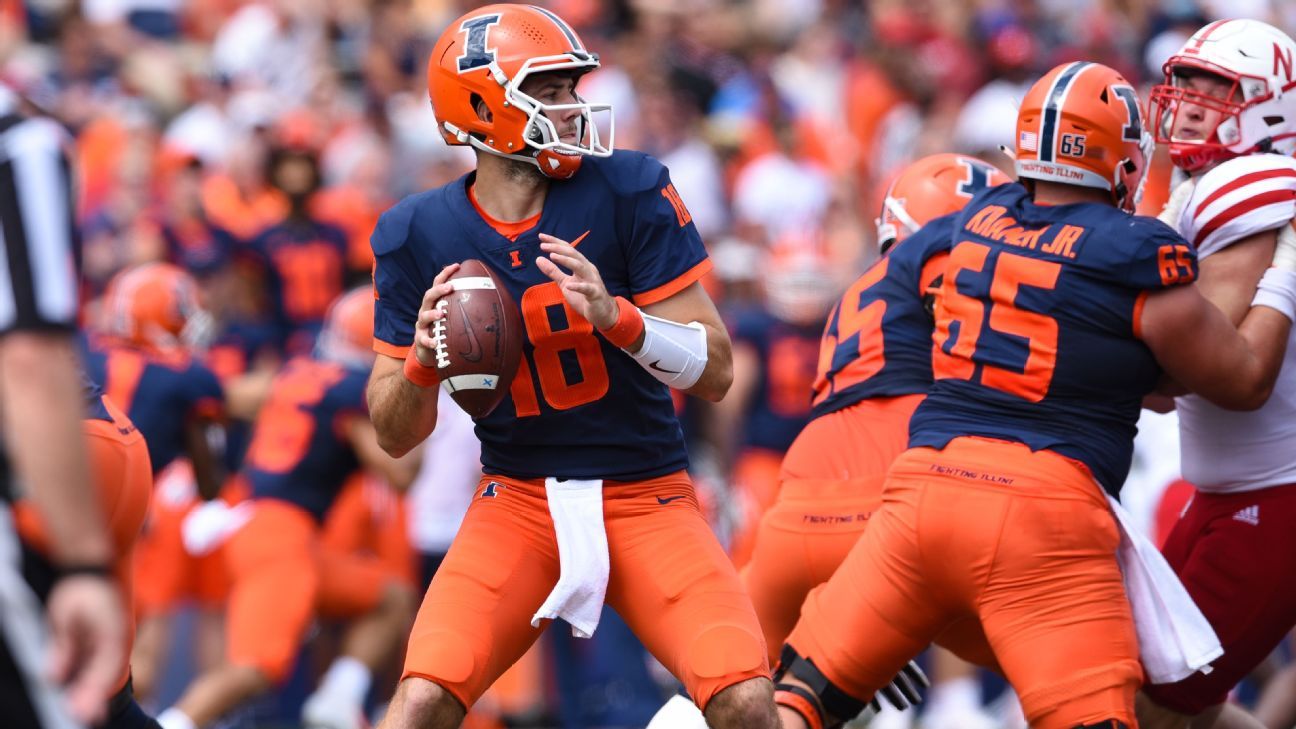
726 424
398 472
1198 346
402 394
43 410
204 439
693 304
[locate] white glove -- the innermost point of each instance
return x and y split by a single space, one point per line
211 523
1173 209
1285 251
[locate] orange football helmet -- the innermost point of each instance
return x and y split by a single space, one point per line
929 188
347 336
486 56
1082 124
159 306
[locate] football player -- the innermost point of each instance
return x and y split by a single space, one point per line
1227 111
1056 314
312 434
602 257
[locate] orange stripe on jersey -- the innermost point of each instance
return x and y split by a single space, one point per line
669 289
391 350
1137 316
510 230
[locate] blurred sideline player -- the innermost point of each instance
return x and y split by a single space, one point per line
152 324
1227 111
1056 313
311 435
590 404
119 466
775 351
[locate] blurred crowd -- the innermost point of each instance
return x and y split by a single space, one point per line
256 142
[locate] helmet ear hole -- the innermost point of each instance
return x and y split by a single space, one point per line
482 108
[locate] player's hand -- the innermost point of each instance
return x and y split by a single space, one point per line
582 288
211 524
429 314
88 636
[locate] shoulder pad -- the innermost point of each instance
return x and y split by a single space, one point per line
629 172
394 226
1239 198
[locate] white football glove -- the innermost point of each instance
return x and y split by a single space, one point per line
211 523
1173 209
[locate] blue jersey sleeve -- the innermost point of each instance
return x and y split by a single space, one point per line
399 281
665 252
1160 257
205 393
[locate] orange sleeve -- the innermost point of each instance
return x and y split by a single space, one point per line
676 285
391 350
1137 316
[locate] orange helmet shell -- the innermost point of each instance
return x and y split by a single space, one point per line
156 305
929 188
486 55
1082 124
347 336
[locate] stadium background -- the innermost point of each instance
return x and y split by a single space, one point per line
781 122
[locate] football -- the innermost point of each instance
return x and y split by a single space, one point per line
479 341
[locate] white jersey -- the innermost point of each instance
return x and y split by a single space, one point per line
1225 451
447 480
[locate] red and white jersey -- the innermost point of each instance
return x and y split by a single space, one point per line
1240 197
1222 450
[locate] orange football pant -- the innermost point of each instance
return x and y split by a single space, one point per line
369 518
119 464
281 576
669 580
830 485
1025 542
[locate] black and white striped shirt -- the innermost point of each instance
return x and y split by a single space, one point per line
38 273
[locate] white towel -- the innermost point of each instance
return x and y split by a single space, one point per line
577 511
1175 640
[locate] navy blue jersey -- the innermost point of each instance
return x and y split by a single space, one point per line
787 354
878 339
305 263
579 407
1037 328
94 399
300 452
159 392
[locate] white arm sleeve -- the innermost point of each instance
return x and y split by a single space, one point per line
672 352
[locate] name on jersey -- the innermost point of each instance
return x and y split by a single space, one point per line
993 222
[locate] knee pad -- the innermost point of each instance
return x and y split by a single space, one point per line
823 696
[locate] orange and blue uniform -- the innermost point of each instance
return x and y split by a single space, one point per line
874 368
578 408
305 264
162 392
996 512
281 572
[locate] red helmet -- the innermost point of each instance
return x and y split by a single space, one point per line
929 188
486 56
347 336
157 305
1082 125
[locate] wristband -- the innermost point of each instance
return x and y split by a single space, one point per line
1277 290
629 324
91 569
419 373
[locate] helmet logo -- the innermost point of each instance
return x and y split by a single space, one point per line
1133 131
476 54
1285 60
977 180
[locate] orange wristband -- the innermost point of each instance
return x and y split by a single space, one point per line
418 373
629 324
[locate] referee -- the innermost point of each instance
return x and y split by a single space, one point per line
79 643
